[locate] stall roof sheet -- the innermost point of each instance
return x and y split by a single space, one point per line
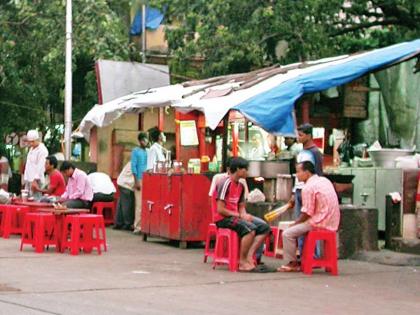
268 100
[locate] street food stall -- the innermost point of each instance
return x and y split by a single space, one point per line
245 114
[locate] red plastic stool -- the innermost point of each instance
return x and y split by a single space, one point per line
99 208
227 249
273 241
84 231
38 231
12 219
329 259
211 235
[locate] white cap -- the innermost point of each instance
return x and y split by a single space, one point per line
32 135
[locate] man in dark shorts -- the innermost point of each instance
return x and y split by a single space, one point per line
231 214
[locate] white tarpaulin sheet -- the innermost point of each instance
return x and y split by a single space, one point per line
268 104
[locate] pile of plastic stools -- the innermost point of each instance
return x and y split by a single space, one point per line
38 231
83 232
12 218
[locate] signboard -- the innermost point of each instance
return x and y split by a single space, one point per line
188 133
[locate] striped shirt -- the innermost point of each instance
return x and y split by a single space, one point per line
231 193
320 202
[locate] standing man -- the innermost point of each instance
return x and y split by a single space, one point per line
156 152
319 210
78 192
231 214
310 153
139 162
56 184
35 162
124 217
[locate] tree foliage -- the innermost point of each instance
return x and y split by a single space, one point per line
32 55
236 36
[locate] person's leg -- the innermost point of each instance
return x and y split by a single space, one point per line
298 208
77 204
119 215
128 210
242 228
137 211
100 197
246 242
261 231
289 241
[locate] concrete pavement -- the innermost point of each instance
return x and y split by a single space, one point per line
136 277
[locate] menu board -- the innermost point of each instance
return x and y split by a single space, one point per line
188 133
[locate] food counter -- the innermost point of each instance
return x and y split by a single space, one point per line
176 207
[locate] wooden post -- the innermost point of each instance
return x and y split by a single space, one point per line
305 110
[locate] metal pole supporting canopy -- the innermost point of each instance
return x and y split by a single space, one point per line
68 83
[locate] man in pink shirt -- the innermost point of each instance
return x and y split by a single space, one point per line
79 193
320 210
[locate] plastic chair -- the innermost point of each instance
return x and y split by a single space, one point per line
38 231
211 236
106 209
12 219
84 231
227 249
329 259
273 242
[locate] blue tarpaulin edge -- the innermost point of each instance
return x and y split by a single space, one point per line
153 19
273 109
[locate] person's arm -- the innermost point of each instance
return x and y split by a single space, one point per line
134 169
79 187
35 186
221 209
302 218
308 205
52 185
65 195
40 164
243 214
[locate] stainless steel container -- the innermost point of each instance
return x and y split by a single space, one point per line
386 157
268 169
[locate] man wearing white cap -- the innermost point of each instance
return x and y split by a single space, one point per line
35 161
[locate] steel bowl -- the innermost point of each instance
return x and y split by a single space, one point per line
386 157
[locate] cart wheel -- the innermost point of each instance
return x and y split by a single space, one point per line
144 237
183 244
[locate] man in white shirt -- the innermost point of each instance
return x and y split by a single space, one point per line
124 218
102 186
156 151
35 162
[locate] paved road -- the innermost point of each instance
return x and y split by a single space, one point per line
134 277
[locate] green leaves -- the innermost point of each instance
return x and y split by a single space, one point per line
236 36
32 47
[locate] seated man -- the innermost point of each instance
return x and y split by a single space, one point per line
231 214
102 186
56 184
78 192
319 210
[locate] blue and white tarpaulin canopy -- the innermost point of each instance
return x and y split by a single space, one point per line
269 103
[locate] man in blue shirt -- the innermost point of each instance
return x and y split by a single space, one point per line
138 167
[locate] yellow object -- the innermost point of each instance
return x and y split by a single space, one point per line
205 158
272 215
